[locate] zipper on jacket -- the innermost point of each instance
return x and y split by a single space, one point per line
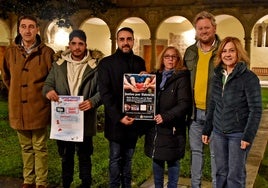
154 142
224 80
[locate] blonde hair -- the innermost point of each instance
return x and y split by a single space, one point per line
204 15
179 63
241 52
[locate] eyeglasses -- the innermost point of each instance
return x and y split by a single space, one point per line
170 57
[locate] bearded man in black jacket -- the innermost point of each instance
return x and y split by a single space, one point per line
120 129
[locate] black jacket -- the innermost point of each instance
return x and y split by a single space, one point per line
236 107
167 141
111 71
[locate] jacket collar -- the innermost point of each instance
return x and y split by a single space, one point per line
92 57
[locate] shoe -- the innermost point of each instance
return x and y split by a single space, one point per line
27 185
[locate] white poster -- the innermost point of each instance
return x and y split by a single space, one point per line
67 121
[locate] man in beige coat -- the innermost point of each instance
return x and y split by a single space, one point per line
24 69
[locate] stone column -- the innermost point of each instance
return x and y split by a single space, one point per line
248 42
113 40
153 52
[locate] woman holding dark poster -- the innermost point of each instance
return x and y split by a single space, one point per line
165 140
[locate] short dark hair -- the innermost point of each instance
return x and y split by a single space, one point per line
28 17
78 33
125 29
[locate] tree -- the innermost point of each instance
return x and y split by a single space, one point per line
53 9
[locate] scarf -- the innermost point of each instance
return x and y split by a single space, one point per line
165 76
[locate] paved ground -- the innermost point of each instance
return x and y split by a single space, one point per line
253 163
254 160
6 182
257 151
183 183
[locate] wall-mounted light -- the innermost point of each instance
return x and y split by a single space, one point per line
64 23
61 37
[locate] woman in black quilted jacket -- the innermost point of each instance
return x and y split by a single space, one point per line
234 113
165 140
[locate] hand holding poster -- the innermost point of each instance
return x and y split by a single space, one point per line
139 96
67 121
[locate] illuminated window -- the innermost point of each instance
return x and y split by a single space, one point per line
259 36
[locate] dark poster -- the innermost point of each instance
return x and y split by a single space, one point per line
139 96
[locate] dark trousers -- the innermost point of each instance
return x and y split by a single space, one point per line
84 151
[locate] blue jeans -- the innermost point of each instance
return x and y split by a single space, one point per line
120 165
173 173
230 160
197 148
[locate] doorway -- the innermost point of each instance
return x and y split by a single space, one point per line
146 52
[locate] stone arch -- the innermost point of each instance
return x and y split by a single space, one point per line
5 40
228 25
14 32
5 33
178 31
140 27
259 48
98 34
57 37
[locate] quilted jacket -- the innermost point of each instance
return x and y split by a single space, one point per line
237 105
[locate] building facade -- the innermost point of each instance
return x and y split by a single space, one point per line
246 19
